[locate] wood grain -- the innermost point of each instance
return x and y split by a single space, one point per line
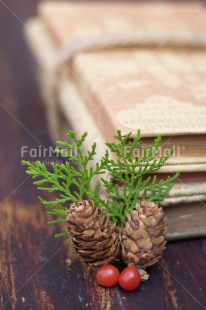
38 271
41 272
30 261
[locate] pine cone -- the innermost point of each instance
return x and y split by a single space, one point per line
94 236
143 239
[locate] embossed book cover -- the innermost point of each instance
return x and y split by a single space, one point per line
95 77
159 87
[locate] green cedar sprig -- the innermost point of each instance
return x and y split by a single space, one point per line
64 177
126 170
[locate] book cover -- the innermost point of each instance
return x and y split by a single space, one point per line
157 90
186 220
71 106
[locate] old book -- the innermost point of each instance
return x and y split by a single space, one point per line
185 220
77 115
159 89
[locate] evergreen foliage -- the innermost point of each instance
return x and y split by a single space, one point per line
127 173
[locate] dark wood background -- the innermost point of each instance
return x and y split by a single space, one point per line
38 271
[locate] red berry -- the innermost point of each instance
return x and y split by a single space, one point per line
107 275
129 279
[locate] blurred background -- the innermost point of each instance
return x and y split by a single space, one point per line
22 118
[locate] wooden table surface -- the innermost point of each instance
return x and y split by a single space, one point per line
38 271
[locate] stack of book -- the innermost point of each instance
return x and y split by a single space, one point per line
156 84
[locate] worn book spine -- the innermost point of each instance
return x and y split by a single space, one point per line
188 189
180 200
187 221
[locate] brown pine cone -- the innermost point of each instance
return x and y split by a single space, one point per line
94 236
143 238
